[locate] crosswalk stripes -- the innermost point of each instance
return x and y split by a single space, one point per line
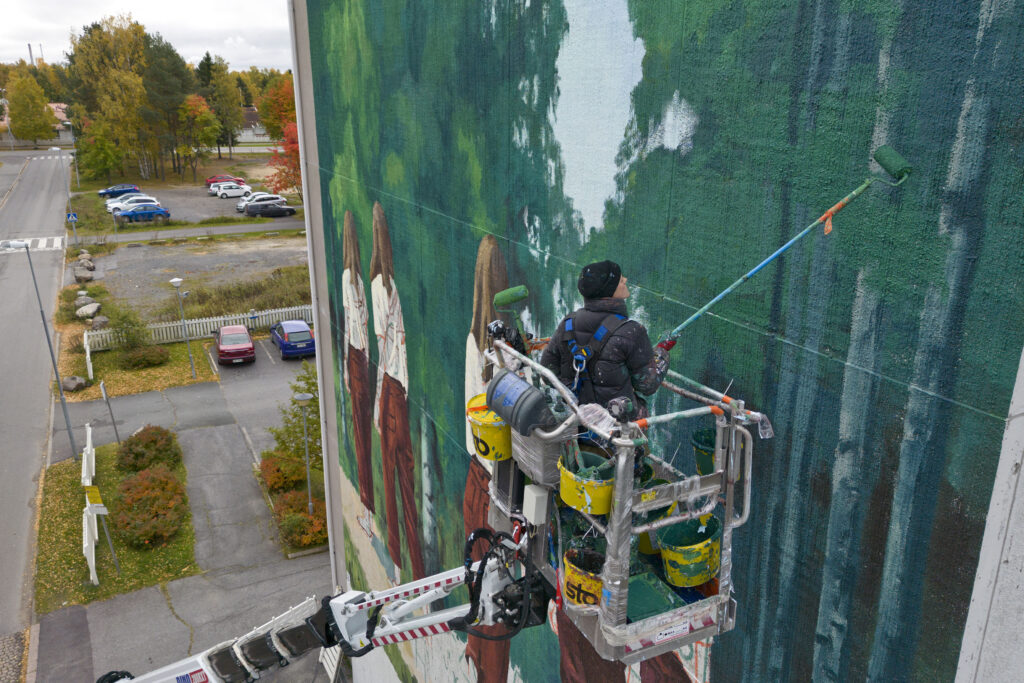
34 244
51 156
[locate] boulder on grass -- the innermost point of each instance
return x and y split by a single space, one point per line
99 322
83 275
73 383
84 301
86 263
87 311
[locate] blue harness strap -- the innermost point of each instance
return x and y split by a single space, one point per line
584 354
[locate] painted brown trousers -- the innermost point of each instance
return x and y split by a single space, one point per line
362 418
396 452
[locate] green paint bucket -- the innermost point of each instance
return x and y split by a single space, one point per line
703 441
691 551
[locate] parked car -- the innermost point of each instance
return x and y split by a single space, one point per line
233 190
214 188
269 209
123 204
126 195
118 190
143 213
293 338
262 199
222 178
234 345
240 206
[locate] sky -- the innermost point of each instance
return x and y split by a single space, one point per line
251 33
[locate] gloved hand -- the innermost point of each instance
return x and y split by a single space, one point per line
661 358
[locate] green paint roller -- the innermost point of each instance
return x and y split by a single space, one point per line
888 158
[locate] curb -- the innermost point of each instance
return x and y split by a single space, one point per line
308 551
33 653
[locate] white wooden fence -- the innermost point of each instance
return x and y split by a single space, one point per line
198 328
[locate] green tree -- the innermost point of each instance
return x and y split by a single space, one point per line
199 130
277 107
98 156
243 89
288 437
30 118
168 80
204 73
227 104
106 68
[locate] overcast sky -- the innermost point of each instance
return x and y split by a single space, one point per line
250 33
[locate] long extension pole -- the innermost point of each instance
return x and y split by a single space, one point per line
888 158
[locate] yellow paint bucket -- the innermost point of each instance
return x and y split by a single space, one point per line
691 551
648 542
585 493
491 436
582 583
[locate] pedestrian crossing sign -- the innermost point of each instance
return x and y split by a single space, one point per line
72 217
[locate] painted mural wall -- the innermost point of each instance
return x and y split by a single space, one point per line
466 145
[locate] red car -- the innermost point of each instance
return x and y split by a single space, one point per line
224 179
234 345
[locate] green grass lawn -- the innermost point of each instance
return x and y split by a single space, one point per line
287 286
62 575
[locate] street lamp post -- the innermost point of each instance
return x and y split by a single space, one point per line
303 401
177 287
19 244
74 151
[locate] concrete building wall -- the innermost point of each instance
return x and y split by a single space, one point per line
688 141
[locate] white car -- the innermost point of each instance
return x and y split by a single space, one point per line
215 187
261 198
233 190
131 201
240 206
121 198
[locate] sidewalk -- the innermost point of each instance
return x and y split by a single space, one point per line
246 580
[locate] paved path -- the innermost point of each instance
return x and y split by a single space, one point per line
245 581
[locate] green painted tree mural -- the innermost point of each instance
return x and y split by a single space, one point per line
884 352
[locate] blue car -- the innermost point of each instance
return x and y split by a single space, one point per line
118 190
143 213
293 338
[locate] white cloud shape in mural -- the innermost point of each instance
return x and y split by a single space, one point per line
676 129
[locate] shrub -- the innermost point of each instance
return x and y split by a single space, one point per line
150 508
299 530
295 500
150 446
282 473
148 356
128 327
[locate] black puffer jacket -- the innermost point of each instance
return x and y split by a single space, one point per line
627 363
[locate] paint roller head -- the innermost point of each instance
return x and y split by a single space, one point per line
893 162
507 297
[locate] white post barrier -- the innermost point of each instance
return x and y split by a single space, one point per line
90 534
88 353
88 458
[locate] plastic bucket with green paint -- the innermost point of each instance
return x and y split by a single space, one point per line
590 487
691 551
648 542
703 441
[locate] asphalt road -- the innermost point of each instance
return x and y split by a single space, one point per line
32 200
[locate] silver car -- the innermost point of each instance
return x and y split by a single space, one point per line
259 197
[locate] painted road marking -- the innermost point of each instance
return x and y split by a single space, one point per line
263 346
34 244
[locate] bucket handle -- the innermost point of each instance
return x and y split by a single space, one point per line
746 453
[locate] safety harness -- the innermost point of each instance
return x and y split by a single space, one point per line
584 354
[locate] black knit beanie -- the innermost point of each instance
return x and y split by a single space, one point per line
599 280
